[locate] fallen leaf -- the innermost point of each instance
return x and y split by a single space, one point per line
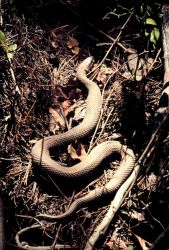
116 243
54 40
136 215
104 73
54 44
73 44
77 155
55 75
80 111
133 62
111 246
56 118
150 183
137 67
76 50
67 106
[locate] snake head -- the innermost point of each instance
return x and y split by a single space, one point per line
84 66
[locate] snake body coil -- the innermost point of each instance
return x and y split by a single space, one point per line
41 150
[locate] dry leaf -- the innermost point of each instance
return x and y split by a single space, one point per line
75 155
143 243
73 44
149 183
56 118
55 75
54 44
116 242
136 215
80 111
104 74
133 62
76 50
109 245
54 40
67 106
138 67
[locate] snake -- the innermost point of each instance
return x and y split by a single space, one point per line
41 151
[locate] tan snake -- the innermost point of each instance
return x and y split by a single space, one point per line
41 150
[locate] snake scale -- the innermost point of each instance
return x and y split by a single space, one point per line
41 150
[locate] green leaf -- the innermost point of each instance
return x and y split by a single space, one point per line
152 37
151 21
104 65
156 33
115 248
9 55
130 248
12 47
2 37
146 33
3 41
160 15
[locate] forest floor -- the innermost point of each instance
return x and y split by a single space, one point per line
41 96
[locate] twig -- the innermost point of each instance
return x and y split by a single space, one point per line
155 60
26 175
105 123
56 238
54 183
1 13
30 110
15 85
165 36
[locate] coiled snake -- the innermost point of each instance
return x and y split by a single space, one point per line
41 150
